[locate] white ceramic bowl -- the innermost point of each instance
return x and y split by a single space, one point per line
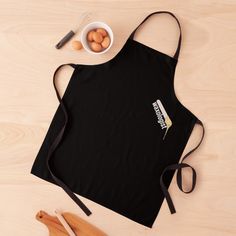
94 25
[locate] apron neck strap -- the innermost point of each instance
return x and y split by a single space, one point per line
176 55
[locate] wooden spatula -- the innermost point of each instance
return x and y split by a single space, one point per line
79 226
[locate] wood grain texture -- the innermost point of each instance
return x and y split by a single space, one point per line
204 82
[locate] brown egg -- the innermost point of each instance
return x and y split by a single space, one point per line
90 35
102 31
96 47
97 37
106 42
77 45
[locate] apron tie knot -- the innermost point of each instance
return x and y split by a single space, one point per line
179 168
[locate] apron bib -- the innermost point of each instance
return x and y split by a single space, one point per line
118 133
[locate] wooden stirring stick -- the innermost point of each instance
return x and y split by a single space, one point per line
79 226
64 223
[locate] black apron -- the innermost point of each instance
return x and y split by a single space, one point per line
119 132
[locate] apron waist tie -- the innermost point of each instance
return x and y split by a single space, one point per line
179 168
55 144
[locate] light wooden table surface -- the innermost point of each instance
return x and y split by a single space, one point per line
205 82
